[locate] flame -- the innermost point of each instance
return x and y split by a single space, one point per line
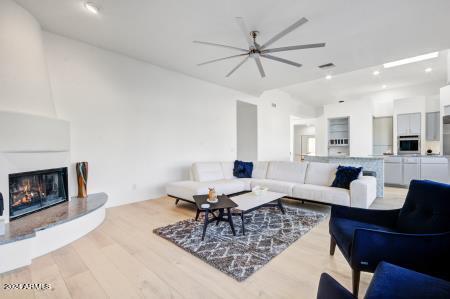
25 194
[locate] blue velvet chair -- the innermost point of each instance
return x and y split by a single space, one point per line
389 282
416 237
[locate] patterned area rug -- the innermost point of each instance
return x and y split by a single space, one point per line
267 234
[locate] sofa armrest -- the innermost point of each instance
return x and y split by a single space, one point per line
363 192
330 288
386 218
427 253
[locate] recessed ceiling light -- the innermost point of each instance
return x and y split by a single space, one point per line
328 77
384 86
376 73
428 70
411 60
91 7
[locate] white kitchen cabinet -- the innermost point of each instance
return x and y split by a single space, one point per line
411 170
402 124
414 123
434 169
408 124
401 170
433 126
393 171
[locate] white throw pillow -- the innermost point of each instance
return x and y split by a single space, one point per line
321 174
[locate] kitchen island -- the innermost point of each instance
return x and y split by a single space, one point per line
375 164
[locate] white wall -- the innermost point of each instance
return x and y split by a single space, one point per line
24 84
139 126
304 130
383 102
275 131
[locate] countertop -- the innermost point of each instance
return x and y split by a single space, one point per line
26 227
412 156
370 157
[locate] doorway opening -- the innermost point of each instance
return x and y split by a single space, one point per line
247 131
303 139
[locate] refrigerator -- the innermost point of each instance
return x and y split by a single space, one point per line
446 135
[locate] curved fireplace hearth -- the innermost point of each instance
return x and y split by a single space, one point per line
29 237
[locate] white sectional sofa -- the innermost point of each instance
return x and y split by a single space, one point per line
309 181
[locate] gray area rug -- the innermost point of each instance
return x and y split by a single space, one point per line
267 234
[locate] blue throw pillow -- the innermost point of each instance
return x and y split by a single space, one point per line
242 169
345 175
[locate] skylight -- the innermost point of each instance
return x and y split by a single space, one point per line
411 60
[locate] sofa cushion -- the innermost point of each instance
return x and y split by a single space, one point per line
242 169
246 183
227 169
274 185
207 171
187 189
343 229
426 208
260 169
322 193
287 171
345 175
321 173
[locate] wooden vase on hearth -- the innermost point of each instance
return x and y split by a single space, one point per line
82 177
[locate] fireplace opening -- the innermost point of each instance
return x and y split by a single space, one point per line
36 190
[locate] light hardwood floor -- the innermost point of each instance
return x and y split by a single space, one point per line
123 259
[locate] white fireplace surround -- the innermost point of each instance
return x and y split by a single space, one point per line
29 143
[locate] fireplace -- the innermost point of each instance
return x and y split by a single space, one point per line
36 190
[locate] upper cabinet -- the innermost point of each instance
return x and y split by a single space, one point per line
408 124
433 127
403 124
414 123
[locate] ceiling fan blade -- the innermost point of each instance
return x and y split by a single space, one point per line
220 59
245 31
237 66
290 48
219 45
281 60
260 67
284 32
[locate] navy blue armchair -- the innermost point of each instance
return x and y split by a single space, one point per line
389 282
416 237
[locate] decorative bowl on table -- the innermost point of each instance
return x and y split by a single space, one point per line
258 190
212 200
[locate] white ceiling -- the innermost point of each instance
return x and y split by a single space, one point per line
353 85
358 33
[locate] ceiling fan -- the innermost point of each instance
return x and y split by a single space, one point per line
256 50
